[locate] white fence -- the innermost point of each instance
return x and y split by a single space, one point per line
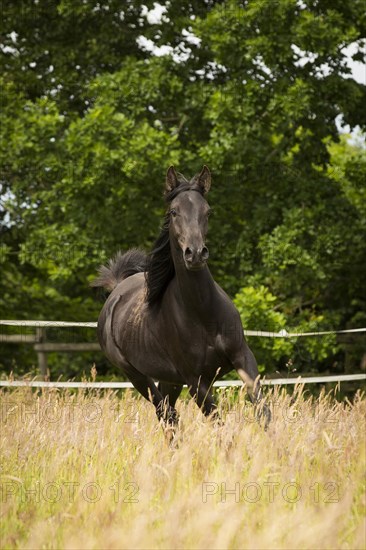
42 348
220 383
281 334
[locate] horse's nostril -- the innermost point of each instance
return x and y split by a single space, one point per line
204 253
188 253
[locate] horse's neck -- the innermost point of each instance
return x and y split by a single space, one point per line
196 289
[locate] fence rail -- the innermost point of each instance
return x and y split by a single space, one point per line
220 383
42 347
262 333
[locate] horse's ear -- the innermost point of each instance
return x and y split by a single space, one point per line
171 179
203 180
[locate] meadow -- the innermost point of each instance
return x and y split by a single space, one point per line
92 469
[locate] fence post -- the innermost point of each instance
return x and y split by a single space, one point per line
42 356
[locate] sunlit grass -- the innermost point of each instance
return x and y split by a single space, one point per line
94 470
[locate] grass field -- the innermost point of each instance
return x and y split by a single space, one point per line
95 470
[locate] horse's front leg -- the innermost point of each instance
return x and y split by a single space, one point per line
200 390
146 386
246 367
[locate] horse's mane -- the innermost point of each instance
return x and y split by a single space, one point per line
160 267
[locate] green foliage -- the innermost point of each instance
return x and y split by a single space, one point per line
260 310
91 119
256 308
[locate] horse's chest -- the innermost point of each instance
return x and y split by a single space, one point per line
198 351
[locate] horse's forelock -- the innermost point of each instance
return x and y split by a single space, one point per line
171 195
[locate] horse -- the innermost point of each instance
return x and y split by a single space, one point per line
166 320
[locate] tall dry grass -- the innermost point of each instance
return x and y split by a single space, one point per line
94 470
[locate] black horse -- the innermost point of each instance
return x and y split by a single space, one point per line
166 319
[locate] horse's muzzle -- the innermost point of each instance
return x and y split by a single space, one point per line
195 258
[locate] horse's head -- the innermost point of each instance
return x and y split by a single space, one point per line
189 212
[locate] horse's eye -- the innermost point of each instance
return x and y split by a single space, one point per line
173 212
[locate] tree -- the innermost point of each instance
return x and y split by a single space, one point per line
252 89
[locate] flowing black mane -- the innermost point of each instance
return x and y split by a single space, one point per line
160 267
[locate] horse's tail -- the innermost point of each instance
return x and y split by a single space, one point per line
120 267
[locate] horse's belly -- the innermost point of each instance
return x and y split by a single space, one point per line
143 345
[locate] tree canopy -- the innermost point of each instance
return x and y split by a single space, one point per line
98 100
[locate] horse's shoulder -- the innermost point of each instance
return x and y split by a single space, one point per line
225 298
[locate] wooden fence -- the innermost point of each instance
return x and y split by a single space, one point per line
42 347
